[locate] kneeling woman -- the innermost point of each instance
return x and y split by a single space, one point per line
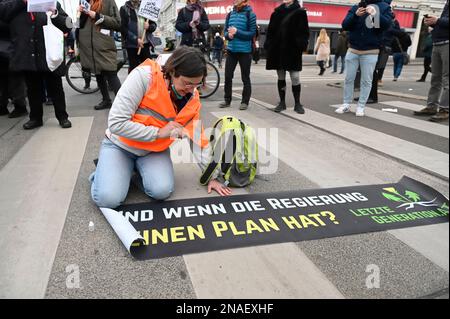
153 107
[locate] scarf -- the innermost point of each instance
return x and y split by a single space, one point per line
196 9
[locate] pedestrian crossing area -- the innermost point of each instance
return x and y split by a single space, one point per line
315 150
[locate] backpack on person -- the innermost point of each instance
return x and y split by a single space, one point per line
235 152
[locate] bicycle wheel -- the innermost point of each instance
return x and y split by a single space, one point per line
212 82
78 79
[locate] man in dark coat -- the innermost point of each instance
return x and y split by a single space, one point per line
341 51
12 84
287 39
29 56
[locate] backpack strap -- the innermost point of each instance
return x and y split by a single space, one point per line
218 157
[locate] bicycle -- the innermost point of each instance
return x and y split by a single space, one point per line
212 81
84 81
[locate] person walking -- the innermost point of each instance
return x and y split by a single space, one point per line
240 28
29 58
322 50
437 104
98 52
400 45
12 84
365 25
193 22
286 40
341 51
138 139
256 50
218 44
427 51
132 29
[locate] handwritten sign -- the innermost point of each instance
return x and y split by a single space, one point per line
150 9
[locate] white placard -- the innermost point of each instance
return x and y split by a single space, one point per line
86 5
41 5
150 9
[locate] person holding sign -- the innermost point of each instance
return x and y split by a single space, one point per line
97 47
154 107
132 29
29 58
192 22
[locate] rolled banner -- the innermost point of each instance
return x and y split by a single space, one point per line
128 235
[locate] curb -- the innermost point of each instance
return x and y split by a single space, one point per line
389 93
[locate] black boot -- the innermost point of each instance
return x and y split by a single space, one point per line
282 93
296 90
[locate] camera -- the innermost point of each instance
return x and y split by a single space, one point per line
426 16
362 4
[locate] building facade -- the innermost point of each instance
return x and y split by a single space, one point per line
321 14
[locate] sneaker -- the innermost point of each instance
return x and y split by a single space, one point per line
17 113
299 108
429 110
395 79
65 123
224 104
280 107
442 115
360 111
103 105
343 109
243 106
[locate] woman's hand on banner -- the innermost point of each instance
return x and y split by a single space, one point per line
220 188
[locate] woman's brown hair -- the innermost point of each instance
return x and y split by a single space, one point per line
186 61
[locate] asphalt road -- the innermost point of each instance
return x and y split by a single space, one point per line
317 150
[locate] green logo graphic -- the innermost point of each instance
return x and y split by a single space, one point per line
409 199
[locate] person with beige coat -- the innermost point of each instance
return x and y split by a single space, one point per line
322 50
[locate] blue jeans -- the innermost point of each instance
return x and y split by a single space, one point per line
115 168
336 58
398 64
367 64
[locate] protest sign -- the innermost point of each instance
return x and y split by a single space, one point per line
150 9
41 5
174 228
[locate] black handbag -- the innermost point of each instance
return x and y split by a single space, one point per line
5 49
406 57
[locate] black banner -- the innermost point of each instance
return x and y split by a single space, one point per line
179 227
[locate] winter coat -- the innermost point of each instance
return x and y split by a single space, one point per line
245 22
287 38
323 50
360 36
182 25
27 36
342 44
440 30
129 27
404 40
97 48
428 46
218 43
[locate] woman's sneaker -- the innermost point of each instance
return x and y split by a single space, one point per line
343 109
360 111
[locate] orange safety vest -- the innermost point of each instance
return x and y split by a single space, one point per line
157 109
